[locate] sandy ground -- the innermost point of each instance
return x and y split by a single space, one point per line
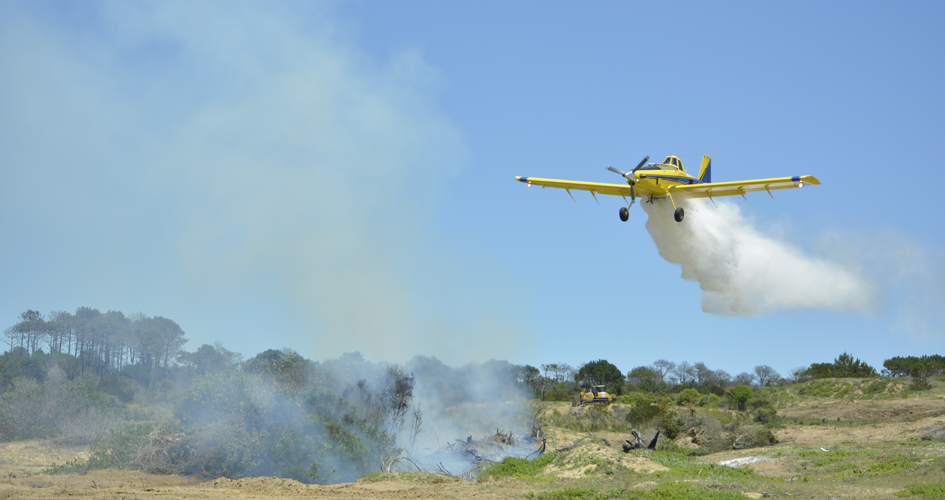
121 485
852 421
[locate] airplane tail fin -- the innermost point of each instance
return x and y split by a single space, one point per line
705 173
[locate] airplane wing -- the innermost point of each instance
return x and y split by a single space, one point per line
713 189
593 187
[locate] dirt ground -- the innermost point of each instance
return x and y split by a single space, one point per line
853 421
133 485
821 424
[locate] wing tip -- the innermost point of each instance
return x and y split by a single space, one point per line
810 179
521 179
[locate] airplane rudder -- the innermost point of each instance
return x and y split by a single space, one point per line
705 172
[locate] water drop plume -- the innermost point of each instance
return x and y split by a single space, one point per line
744 272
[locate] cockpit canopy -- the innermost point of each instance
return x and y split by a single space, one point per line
673 162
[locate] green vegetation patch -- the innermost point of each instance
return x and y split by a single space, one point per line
521 468
924 490
888 465
664 491
876 386
844 452
827 461
680 465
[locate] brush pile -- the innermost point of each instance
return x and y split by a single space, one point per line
464 457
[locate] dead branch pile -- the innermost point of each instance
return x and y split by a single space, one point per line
470 454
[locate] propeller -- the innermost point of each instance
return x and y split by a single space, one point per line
630 178
629 174
617 170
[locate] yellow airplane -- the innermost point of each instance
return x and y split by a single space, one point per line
658 180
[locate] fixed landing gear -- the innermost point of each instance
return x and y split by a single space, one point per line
680 213
624 214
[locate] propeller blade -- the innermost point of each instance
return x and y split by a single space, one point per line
641 164
617 170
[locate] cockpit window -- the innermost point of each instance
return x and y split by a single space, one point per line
674 162
667 160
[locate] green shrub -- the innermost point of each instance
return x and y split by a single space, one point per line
118 386
123 448
519 467
710 400
72 411
755 403
919 384
876 386
558 392
738 396
671 426
687 396
924 490
753 437
662 491
766 416
645 410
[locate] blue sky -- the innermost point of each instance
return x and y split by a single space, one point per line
339 176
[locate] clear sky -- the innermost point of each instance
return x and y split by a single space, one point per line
339 176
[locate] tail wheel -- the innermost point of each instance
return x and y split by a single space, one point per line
624 214
680 213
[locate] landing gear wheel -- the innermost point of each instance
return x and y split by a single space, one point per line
624 214
680 213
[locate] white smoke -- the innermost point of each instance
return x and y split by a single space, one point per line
744 272
910 271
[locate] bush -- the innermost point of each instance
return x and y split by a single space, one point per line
266 424
755 403
58 408
122 388
924 490
519 467
709 400
124 448
876 386
919 384
687 397
738 396
766 416
558 392
753 437
645 410
671 426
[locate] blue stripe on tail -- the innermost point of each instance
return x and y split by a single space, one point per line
707 175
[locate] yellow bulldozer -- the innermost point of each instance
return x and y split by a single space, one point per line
593 394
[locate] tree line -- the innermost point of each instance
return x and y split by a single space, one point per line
561 381
103 342
147 349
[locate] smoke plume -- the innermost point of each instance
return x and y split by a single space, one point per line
744 272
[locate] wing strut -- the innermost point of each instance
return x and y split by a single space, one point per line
742 192
769 192
571 195
708 192
595 197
